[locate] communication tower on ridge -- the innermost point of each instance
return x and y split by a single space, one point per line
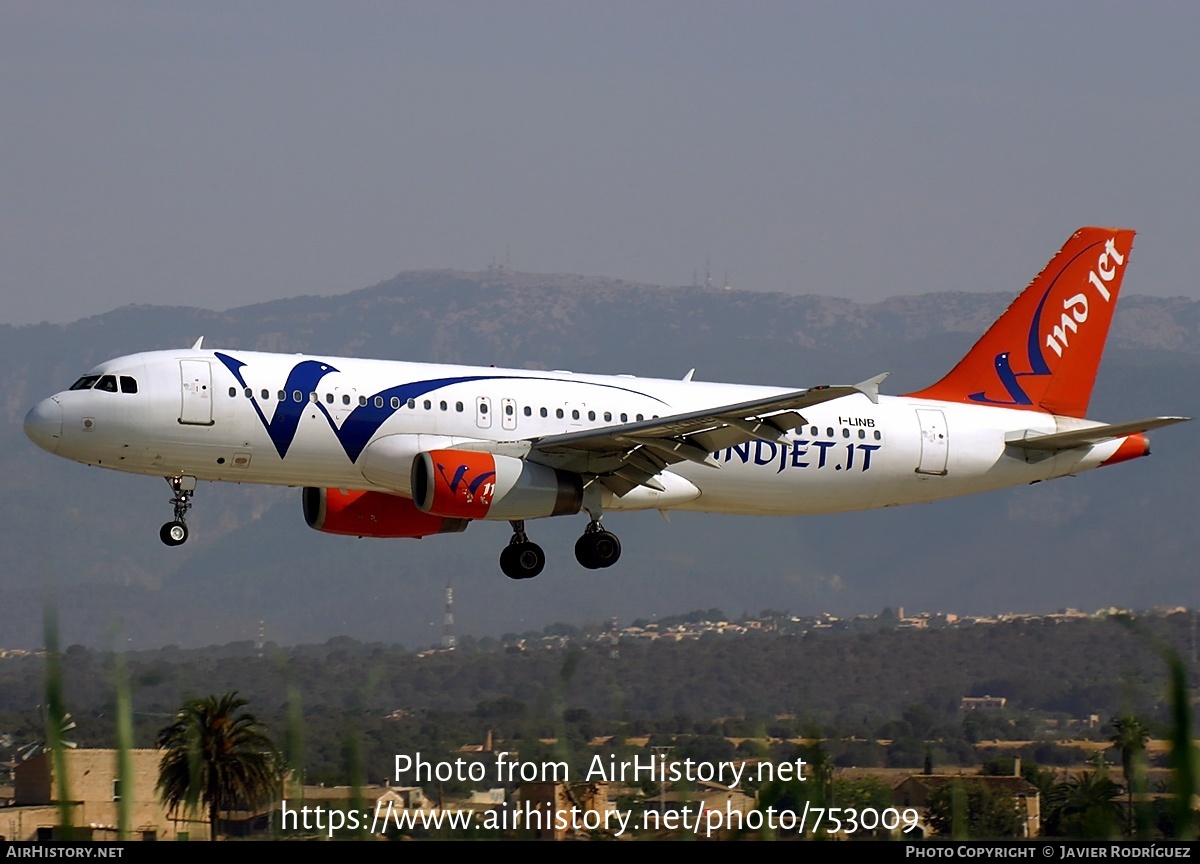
448 638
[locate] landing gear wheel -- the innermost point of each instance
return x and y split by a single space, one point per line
597 549
173 533
183 488
522 560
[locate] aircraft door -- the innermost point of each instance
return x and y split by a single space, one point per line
196 389
508 413
935 445
483 412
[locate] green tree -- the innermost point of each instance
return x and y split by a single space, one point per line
981 812
1084 807
1130 736
217 755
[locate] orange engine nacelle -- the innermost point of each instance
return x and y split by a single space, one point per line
468 484
372 514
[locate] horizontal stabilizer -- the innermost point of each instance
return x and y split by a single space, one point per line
1030 440
870 387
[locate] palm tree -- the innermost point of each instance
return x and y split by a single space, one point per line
1130 736
216 754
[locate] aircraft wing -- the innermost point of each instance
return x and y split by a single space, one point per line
1090 435
629 455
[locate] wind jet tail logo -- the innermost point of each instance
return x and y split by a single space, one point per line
1059 338
1062 319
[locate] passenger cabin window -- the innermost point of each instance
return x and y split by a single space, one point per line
297 396
232 391
543 412
508 410
458 406
128 385
87 382
640 418
362 401
249 393
483 407
329 398
877 435
607 416
559 414
442 405
396 402
624 417
575 415
412 403
528 411
427 404
378 401
345 398
266 394
282 395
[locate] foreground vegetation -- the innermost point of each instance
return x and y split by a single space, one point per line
882 699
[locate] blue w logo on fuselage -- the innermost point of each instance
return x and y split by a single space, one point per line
361 424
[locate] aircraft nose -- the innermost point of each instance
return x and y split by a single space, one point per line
43 424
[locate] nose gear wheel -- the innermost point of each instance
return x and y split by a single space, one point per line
175 533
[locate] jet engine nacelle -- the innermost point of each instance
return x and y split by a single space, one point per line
467 484
372 514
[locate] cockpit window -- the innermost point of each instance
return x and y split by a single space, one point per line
86 382
107 383
128 385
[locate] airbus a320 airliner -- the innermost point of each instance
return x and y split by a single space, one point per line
399 449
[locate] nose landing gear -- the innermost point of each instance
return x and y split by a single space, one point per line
175 533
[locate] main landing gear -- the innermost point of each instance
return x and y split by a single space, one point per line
597 548
522 559
175 533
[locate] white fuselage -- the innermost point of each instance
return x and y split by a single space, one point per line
298 420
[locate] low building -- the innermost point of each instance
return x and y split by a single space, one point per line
93 793
915 792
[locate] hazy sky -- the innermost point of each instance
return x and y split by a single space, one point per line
216 154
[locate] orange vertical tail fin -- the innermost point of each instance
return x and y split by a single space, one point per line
1043 352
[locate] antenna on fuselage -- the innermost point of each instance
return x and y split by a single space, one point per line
198 344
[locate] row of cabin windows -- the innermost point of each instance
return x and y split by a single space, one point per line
829 432
427 404
107 383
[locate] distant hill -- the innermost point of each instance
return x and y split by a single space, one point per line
88 538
